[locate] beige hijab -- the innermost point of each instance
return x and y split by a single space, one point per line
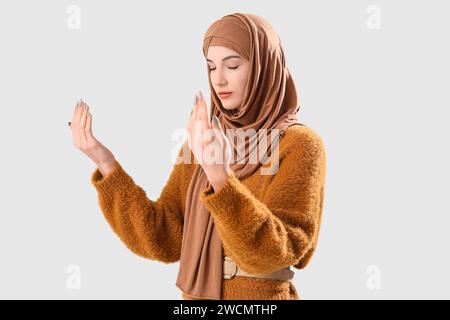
270 102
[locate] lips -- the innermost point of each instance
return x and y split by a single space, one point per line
224 94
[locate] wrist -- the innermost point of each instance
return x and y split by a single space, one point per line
106 167
221 180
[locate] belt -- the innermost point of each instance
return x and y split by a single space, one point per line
231 269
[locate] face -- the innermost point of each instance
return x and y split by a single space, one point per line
229 73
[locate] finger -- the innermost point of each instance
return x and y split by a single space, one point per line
196 108
201 107
206 110
196 132
191 122
77 106
78 113
82 132
195 120
224 135
224 140
218 132
74 124
192 116
202 116
218 138
204 122
88 129
190 126
189 137
195 99
197 138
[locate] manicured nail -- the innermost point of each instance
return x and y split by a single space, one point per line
69 123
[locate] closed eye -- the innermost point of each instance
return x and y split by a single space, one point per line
232 68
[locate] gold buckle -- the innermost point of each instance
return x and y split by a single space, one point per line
227 276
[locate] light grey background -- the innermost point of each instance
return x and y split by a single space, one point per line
377 97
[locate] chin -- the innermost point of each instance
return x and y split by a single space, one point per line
229 106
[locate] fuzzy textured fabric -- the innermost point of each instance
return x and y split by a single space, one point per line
266 222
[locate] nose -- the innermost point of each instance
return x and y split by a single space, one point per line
220 79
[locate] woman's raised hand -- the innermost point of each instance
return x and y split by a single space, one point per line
84 140
200 127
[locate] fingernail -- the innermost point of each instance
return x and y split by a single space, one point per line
195 98
69 123
200 95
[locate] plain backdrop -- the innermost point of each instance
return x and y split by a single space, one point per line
373 80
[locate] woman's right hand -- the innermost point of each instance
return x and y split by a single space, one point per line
84 140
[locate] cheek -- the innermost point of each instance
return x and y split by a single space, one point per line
242 81
212 77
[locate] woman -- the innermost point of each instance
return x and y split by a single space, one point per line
235 226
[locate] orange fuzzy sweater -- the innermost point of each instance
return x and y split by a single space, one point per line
266 222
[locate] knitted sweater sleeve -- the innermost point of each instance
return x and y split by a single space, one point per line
150 229
278 230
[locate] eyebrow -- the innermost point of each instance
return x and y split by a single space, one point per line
226 58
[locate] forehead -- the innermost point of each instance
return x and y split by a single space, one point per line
216 53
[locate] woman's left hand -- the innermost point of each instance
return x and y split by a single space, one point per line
213 154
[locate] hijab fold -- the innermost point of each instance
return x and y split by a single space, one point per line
270 102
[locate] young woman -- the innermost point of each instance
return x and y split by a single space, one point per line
235 226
